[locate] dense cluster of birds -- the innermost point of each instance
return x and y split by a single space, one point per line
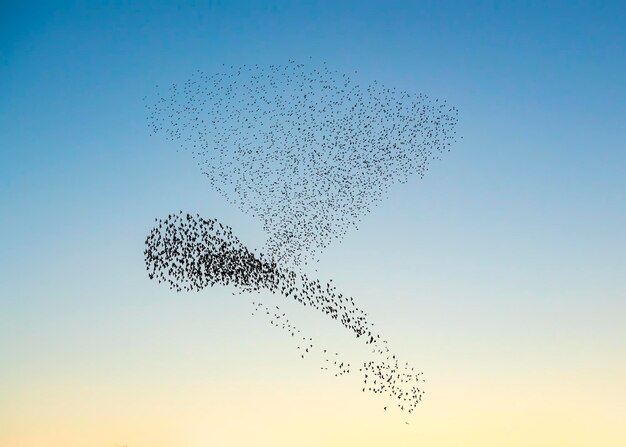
305 149
189 253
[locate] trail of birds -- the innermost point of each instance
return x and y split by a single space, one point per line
188 253
309 152
305 344
306 150
387 376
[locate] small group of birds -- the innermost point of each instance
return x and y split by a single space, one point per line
309 152
305 344
380 377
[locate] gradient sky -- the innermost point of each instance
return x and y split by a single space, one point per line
501 275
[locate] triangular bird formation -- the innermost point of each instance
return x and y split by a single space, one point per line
308 151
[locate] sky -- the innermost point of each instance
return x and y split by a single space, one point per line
501 275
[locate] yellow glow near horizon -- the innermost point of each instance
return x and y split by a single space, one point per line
469 411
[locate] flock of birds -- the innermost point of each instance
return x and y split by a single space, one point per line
308 152
189 253
382 376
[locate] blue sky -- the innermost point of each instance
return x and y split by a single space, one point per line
510 255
